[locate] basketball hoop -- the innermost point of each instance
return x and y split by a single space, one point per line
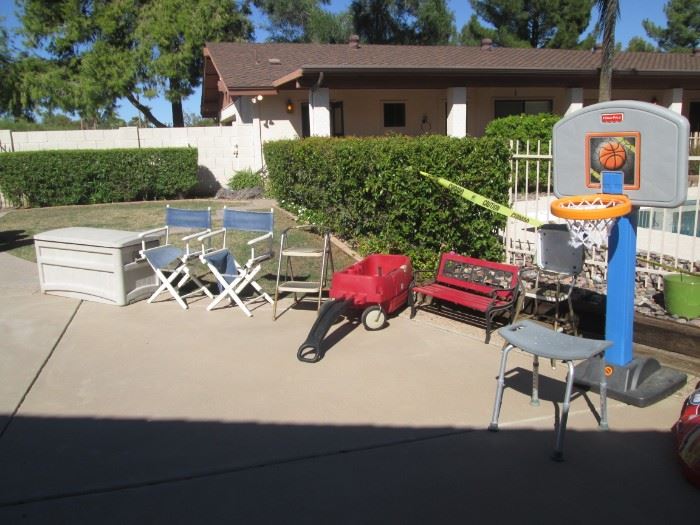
590 218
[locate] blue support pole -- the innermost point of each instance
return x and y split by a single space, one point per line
619 318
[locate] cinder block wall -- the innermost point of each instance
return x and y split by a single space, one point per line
222 150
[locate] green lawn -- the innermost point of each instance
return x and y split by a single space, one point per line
18 227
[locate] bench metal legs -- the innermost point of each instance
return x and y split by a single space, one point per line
558 454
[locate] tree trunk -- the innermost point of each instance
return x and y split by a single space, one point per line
178 116
609 20
606 69
145 110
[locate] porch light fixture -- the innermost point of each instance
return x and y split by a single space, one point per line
257 98
290 106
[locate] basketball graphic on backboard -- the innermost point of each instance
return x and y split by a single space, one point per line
612 155
612 152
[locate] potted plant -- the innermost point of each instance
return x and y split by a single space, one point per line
681 291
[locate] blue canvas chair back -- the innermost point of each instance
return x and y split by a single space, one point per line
252 221
178 217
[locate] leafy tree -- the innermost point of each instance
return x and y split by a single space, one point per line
434 22
13 98
375 21
683 26
6 67
425 22
171 35
472 33
90 53
380 21
330 28
609 12
638 44
529 23
304 21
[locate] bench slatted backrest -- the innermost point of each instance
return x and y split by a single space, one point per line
475 275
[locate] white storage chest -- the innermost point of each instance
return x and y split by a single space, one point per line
94 264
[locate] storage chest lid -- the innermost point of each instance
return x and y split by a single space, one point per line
100 237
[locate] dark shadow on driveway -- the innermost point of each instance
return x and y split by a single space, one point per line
84 470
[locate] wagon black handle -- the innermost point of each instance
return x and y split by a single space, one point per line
310 351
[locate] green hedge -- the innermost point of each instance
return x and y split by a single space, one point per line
55 178
368 190
523 127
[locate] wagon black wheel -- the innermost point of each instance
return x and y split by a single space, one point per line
373 318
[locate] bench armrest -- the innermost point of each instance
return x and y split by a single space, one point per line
511 293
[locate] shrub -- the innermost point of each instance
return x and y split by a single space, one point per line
246 178
369 191
523 127
54 178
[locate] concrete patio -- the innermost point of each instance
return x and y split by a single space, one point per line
152 414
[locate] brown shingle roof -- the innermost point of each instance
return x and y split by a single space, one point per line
249 66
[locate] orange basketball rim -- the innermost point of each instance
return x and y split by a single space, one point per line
592 207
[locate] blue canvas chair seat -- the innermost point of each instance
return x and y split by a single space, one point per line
171 263
231 276
163 256
224 263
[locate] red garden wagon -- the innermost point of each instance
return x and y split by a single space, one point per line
378 285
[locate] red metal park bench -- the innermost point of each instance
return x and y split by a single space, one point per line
484 286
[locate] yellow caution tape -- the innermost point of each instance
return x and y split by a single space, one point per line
482 201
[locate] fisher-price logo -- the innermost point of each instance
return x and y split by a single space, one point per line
612 118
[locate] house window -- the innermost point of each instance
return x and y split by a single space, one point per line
506 108
694 117
394 115
337 120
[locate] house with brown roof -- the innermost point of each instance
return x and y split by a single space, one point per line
273 91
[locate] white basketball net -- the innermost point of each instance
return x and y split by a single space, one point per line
590 232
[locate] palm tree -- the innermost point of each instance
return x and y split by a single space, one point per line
609 12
